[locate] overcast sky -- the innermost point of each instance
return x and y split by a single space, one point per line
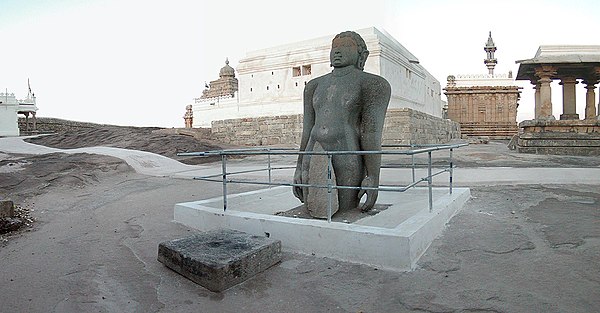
139 62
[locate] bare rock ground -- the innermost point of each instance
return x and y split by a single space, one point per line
526 248
151 139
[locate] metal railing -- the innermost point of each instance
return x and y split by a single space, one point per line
414 150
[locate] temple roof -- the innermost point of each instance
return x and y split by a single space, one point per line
564 54
227 71
575 60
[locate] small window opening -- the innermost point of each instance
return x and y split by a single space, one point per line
306 69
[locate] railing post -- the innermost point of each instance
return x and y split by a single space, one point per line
429 182
451 170
412 156
224 173
269 160
329 189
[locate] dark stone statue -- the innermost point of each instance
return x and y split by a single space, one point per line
343 111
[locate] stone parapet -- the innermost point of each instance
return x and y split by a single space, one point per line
562 137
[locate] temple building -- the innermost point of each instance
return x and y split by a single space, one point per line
266 107
484 104
271 81
570 134
11 107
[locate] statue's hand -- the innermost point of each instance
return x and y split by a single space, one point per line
297 189
371 194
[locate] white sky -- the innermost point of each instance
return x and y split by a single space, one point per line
139 62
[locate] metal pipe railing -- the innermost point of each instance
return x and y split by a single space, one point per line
330 186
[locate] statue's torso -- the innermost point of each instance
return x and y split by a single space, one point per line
337 105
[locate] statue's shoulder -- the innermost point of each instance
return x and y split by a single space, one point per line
319 79
375 81
374 78
313 83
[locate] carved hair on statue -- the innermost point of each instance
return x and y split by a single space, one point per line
363 52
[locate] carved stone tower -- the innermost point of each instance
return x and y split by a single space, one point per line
225 86
490 61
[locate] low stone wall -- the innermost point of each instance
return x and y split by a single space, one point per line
402 126
407 126
560 137
257 131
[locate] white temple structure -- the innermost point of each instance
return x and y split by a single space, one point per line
271 81
10 107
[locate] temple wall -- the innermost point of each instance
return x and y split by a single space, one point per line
484 110
8 121
402 126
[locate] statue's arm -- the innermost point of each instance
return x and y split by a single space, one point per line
307 125
309 114
376 97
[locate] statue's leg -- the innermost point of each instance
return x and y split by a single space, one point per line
349 171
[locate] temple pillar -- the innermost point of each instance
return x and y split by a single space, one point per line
569 101
545 74
26 121
597 71
590 100
536 87
34 118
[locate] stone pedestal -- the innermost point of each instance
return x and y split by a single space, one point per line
220 259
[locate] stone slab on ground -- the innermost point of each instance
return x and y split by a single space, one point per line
220 258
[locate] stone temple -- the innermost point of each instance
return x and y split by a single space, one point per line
484 104
569 134
263 104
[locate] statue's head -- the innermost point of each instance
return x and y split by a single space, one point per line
348 48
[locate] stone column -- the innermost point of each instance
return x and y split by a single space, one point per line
545 74
569 108
597 70
34 121
590 99
536 87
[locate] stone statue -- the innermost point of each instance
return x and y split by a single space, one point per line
343 111
189 116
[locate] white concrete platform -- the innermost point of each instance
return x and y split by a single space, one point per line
393 239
